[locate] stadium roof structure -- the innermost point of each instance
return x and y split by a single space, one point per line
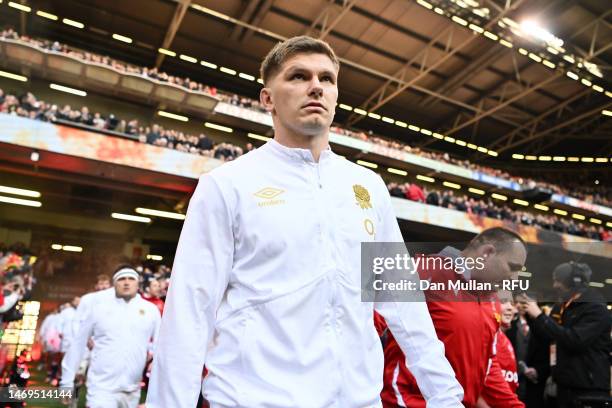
520 77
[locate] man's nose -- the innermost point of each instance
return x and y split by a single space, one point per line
315 87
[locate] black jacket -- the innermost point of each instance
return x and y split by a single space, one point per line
583 342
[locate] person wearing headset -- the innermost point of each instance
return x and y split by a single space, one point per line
579 330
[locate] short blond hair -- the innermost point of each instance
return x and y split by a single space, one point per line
282 51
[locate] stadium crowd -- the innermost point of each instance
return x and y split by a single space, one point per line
488 208
225 151
29 106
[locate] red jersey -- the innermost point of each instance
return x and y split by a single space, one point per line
156 301
468 328
507 360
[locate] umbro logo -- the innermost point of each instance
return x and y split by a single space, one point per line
269 194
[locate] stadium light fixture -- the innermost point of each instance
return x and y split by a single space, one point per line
604 112
425 178
414 128
20 201
540 207
449 139
505 43
73 23
518 156
158 213
57 247
258 137
596 284
559 211
472 146
72 248
10 75
360 111
544 158
586 82
595 220
122 38
601 160
572 75
529 157
499 197
345 107
397 171
373 115
491 36
573 159
426 132
460 142
155 257
438 136
521 202
401 124
578 216
597 88
46 15
208 64
260 81
19 191
228 71
246 76
388 120
173 116
129 217
218 127
188 58
587 160
451 185
559 158
482 149
367 164
166 52
67 89
18 6
476 191
492 153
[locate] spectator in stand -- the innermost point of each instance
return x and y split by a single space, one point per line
415 193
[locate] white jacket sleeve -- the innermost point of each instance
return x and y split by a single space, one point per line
414 332
76 350
200 276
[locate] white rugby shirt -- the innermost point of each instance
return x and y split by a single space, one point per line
266 291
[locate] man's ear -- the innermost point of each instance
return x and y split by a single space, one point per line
265 99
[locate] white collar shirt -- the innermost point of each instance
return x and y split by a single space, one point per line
266 291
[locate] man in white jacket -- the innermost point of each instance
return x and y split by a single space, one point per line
266 286
122 328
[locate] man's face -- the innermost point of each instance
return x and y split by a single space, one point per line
126 287
154 288
507 313
561 289
103 284
501 265
302 95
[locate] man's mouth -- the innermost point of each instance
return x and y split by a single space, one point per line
314 105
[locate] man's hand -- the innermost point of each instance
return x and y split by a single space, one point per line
90 344
529 306
531 374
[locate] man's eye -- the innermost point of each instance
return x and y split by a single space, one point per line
297 76
328 79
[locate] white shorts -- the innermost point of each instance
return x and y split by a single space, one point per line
106 399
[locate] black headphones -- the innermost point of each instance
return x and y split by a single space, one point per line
578 275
